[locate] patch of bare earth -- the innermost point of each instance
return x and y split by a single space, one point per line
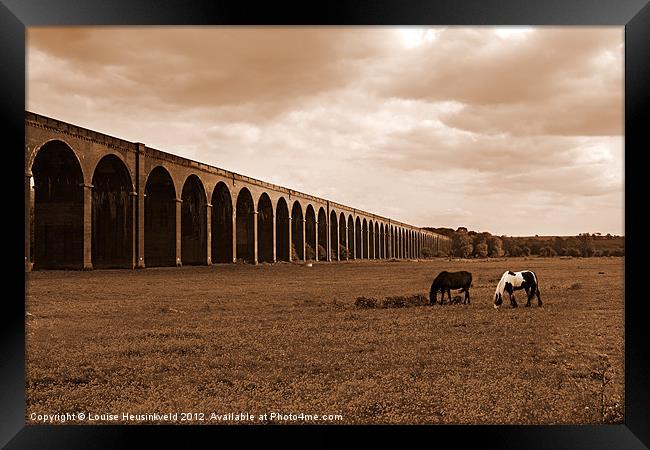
289 339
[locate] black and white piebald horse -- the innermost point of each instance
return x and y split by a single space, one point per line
446 281
514 281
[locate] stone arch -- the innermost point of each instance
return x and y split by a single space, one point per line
117 156
265 228
380 240
321 229
245 233
334 236
297 232
364 239
343 241
310 233
371 239
58 208
413 244
282 230
399 243
112 214
58 141
377 254
221 223
377 241
358 239
352 236
159 219
194 222
395 242
409 243
385 240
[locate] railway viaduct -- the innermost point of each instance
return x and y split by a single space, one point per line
96 201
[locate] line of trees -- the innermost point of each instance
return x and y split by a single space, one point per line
467 244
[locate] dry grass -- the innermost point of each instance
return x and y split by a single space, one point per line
289 338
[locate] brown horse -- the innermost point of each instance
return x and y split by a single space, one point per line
446 281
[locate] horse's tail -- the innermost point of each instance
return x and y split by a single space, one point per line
536 284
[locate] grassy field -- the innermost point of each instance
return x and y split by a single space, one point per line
288 339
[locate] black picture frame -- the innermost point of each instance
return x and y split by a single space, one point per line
634 15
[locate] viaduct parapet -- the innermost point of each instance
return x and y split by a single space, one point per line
96 201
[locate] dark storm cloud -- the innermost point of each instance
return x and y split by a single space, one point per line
199 67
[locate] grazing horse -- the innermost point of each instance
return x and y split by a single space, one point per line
514 281
446 281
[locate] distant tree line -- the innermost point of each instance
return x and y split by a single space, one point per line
468 244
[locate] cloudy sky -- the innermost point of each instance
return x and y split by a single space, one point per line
515 131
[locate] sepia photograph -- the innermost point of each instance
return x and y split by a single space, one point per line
253 225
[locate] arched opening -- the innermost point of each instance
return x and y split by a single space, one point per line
310 233
282 230
194 236
352 254
371 240
343 244
407 243
265 229
382 239
159 219
364 249
297 237
322 235
412 245
400 247
245 223
112 216
398 242
58 229
334 237
386 241
358 239
377 249
393 238
221 224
